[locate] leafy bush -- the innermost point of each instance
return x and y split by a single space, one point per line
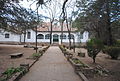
77 61
36 55
10 71
94 46
117 43
114 52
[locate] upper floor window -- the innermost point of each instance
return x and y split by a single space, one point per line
40 36
28 35
63 36
47 36
7 35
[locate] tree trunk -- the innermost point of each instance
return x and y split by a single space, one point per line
94 59
108 25
62 32
24 36
68 34
20 38
36 40
51 32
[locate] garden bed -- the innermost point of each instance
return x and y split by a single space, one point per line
105 69
17 62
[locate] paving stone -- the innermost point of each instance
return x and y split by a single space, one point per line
52 66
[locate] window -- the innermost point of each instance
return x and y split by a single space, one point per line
7 35
81 36
28 35
71 36
47 36
40 36
55 36
64 36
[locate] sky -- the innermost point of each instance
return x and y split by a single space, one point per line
50 10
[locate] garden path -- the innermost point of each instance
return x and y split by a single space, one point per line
52 66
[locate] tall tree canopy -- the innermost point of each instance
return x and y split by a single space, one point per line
13 16
99 18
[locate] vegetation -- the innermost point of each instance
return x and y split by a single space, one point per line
9 72
100 18
94 46
113 51
36 55
77 61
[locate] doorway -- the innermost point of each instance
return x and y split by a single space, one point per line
55 38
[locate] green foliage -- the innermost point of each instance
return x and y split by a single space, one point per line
113 51
10 71
36 55
77 61
99 15
94 46
117 43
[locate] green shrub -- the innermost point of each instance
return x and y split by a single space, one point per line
94 46
77 61
117 43
11 71
113 51
36 55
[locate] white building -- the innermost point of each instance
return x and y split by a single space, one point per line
43 36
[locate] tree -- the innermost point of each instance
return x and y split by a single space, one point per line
94 46
99 16
13 16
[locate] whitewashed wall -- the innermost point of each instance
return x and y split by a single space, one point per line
16 38
33 36
12 37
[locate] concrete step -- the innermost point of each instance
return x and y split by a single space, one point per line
55 44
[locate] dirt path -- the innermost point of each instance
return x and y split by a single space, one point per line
52 66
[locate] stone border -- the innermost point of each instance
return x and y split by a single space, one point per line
80 74
77 70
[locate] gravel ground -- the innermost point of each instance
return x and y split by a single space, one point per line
7 62
103 60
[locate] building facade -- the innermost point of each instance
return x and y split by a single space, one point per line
43 36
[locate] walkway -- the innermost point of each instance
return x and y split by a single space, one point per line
52 66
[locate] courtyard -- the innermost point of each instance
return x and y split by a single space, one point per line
54 66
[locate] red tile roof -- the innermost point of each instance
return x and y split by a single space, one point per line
46 27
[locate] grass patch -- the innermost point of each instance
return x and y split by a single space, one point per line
36 55
77 61
9 72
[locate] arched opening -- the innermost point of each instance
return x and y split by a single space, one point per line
63 36
47 36
71 36
40 36
55 38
